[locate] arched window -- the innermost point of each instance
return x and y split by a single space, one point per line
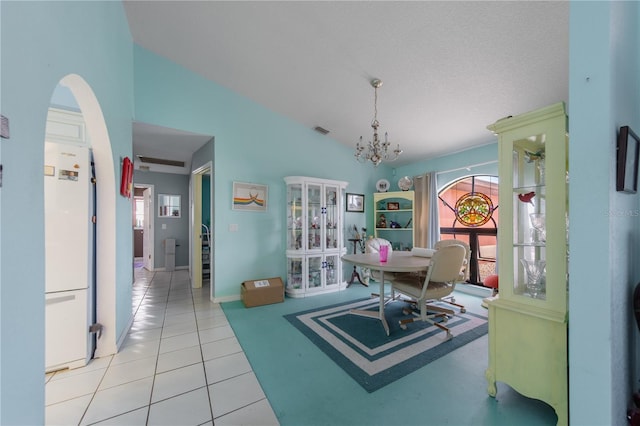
468 212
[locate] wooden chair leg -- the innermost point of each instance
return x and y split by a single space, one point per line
439 309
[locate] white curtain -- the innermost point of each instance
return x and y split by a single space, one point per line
426 210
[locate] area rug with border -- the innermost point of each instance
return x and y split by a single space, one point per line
362 349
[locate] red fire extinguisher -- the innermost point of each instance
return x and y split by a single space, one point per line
126 182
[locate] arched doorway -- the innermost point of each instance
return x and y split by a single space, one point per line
105 200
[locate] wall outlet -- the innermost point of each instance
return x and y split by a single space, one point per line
233 227
164 226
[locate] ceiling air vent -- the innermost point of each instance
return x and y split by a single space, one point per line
321 130
162 161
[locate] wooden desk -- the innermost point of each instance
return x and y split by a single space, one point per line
398 261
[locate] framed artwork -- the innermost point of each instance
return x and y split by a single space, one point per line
627 167
355 203
250 197
393 206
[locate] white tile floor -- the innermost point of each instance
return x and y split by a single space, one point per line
181 364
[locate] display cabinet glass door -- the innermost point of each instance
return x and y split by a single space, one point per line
322 271
295 230
331 270
314 217
331 216
529 207
314 272
295 268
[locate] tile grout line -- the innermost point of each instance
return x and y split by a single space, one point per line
204 369
164 316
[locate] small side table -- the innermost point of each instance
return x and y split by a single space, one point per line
355 273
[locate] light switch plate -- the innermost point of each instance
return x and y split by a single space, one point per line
4 128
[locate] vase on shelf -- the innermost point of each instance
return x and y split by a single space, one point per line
541 171
538 232
534 276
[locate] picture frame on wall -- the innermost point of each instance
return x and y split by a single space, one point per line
627 162
250 197
355 203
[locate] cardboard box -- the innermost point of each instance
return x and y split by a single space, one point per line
262 292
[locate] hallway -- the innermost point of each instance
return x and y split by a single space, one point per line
180 364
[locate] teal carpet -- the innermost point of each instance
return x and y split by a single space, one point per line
360 346
306 388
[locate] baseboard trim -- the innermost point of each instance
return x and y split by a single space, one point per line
125 333
226 299
474 290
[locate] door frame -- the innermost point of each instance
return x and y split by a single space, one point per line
149 230
195 225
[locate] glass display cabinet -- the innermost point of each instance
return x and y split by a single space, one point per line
528 319
394 218
314 235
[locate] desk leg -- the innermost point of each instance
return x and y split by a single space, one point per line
355 275
380 314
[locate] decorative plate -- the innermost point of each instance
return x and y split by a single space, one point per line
382 185
405 183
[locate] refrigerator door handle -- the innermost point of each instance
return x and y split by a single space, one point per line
60 299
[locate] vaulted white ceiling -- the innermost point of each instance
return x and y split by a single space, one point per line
449 68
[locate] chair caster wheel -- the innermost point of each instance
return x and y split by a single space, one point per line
463 310
403 326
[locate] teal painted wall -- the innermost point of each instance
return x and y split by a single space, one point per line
449 168
41 42
178 228
252 144
604 225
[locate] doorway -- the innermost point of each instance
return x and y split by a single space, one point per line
85 101
201 252
143 227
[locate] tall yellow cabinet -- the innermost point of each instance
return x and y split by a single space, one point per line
528 320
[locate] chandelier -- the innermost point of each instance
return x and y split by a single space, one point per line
376 151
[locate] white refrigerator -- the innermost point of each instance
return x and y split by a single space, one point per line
69 255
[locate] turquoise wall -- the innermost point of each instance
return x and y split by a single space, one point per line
604 241
251 144
449 168
42 42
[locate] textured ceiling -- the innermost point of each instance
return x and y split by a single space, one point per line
449 68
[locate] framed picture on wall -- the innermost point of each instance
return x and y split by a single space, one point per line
250 197
355 203
627 167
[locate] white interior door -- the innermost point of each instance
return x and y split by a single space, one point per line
196 263
147 233
197 230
